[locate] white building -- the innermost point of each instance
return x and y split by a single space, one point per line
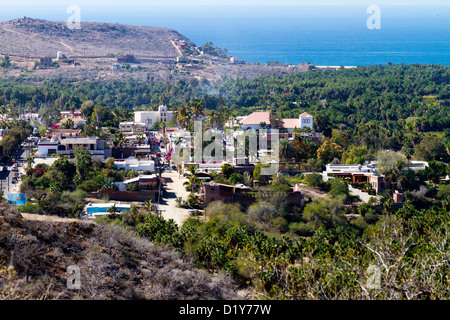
132 163
69 114
306 120
131 127
234 122
67 146
149 118
48 147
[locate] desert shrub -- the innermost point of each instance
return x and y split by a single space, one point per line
74 196
89 186
236 178
302 228
42 183
338 188
314 180
444 191
371 217
29 207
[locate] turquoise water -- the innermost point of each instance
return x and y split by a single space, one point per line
320 35
91 210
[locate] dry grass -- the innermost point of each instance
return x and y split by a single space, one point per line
114 264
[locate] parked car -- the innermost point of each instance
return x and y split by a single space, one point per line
195 213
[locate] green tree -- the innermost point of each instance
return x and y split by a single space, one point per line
431 148
355 154
213 119
68 124
83 163
286 149
183 116
328 151
313 180
339 188
387 161
236 178
119 139
197 108
227 170
6 63
193 183
65 167
257 173
325 213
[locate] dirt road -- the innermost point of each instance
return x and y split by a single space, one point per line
41 217
168 205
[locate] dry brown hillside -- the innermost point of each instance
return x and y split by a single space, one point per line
95 48
40 38
114 264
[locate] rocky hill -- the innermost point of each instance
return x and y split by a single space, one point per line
114 264
95 49
41 38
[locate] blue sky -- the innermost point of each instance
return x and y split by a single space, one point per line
146 3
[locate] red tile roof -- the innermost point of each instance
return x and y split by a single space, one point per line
291 123
75 120
256 118
305 114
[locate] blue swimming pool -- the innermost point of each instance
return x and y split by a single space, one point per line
103 208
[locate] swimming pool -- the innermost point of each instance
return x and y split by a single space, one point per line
102 208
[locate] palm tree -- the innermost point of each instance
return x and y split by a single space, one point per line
182 116
192 200
148 205
109 184
119 139
197 108
68 124
140 138
113 210
408 154
98 112
285 148
213 118
192 170
192 184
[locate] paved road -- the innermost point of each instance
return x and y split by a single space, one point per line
6 181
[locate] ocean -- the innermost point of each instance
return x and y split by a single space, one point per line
324 36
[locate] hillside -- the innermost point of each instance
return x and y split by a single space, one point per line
114 264
95 48
40 38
